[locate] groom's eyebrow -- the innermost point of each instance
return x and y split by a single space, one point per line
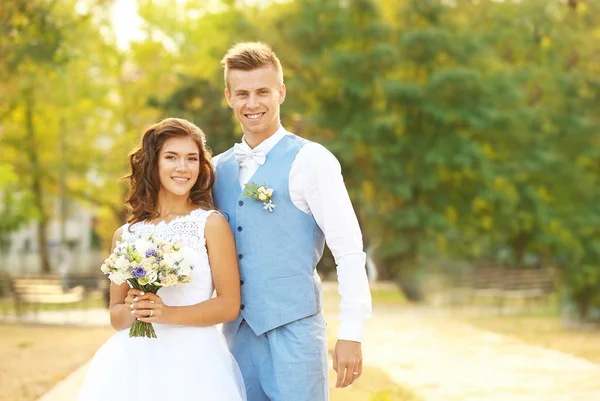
239 91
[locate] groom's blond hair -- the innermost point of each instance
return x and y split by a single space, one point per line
248 56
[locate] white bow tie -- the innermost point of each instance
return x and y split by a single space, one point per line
243 154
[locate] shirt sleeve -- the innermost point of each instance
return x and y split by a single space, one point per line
319 178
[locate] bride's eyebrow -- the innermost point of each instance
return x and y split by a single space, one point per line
177 154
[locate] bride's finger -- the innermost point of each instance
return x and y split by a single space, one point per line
149 315
145 313
149 297
140 305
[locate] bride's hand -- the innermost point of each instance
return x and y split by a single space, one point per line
132 296
147 308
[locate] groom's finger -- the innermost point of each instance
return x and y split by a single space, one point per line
341 374
358 368
355 371
349 377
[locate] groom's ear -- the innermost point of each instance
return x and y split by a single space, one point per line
282 93
228 97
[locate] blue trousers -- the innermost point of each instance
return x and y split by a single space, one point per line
288 363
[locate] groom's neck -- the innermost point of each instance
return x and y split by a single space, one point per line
255 139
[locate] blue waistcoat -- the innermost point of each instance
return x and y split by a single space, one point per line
277 252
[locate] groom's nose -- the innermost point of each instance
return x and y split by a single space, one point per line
252 101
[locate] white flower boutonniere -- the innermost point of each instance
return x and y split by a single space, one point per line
262 193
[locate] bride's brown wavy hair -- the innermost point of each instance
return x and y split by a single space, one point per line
144 179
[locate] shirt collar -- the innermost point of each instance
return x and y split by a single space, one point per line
269 143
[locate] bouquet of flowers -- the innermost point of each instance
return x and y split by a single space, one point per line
147 264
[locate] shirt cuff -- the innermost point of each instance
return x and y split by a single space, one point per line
351 330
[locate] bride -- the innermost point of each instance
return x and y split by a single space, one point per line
170 196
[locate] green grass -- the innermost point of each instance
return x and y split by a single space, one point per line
388 295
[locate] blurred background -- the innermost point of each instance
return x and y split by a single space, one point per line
468 133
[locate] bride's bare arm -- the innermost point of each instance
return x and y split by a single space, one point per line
120 311
225 306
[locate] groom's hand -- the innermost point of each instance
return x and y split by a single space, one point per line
347 362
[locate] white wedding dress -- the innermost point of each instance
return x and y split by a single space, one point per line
184 363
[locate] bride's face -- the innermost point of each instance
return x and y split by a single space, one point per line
178 165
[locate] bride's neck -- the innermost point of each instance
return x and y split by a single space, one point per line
168 208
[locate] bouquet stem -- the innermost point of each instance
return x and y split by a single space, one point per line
142 329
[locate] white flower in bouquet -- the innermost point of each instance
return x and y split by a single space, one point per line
143 245
119 277
184 268
170 259
121 264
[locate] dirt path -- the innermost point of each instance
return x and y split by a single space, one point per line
441 359
445 360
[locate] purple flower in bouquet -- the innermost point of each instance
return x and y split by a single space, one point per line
139 272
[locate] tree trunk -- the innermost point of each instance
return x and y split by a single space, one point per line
36 182
520 246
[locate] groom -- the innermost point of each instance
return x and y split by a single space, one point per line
279 338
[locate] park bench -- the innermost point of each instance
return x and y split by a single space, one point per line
43 290
491 284
502 284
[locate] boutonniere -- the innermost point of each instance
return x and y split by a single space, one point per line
262 193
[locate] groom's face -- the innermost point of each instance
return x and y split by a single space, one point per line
255 97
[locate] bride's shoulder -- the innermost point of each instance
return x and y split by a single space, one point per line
215 217
216 226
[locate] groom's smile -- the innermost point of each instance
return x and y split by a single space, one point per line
254 116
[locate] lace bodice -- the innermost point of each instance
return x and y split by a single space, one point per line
189 231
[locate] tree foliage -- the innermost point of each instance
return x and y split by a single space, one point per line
466 129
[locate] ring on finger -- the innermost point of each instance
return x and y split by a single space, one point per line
356 373
151 312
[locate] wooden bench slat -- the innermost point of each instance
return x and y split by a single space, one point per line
45 290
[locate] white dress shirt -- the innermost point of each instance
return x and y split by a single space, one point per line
317 187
